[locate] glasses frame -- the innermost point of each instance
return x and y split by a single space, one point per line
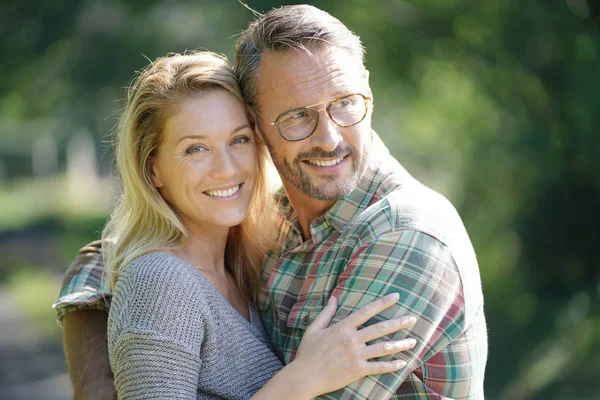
316 115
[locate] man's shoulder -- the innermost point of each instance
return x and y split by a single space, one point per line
413 207
410 205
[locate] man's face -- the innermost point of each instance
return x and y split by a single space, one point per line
328 164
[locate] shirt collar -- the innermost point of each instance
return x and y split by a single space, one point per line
365 193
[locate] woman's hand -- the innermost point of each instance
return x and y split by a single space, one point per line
330 358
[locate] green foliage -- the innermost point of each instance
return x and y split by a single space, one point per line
33 290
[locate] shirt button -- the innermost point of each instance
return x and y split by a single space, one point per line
306 319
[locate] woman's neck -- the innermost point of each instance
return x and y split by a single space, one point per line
205 248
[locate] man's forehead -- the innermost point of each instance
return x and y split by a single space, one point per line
298 70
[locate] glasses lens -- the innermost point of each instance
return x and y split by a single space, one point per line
348 110
297 124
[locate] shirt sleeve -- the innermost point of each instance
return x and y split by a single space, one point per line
85 285
155 332
421 269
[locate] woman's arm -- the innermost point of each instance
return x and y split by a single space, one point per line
330 358
156 330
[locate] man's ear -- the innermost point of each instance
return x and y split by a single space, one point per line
154 173
366 77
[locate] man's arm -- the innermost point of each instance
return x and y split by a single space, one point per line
423 271
84 339
82 309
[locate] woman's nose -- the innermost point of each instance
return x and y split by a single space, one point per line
224 165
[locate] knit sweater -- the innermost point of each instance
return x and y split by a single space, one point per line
172 335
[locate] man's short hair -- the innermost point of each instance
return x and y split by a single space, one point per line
289 27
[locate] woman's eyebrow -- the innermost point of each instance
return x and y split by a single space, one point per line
239 128
235 130
191 137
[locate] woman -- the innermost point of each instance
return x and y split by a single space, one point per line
185 247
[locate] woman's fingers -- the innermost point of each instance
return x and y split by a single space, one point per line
384 328
383 367
362 315
324 317
387 348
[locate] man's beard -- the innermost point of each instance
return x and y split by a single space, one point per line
294 174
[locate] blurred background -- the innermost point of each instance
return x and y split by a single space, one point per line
492 103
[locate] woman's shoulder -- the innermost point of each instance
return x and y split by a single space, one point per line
153 292
154 268
160 277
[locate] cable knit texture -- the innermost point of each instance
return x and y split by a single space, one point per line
172 335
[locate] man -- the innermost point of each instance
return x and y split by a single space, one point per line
353 223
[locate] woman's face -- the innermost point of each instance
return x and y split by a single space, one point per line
206 165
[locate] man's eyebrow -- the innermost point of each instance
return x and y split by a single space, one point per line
234 131
342 93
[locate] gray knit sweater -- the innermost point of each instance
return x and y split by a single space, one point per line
172 335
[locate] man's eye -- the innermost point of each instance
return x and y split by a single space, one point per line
195 148
343 103
303 114
300 115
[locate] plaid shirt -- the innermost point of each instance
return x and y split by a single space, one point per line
391 234
85 286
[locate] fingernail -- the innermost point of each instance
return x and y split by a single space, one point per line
395 296
411 342
400 364
411 320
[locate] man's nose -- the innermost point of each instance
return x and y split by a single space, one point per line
327 134
224 165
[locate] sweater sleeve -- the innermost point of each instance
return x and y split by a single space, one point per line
156 329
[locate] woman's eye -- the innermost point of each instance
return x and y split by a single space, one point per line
195 148
241 140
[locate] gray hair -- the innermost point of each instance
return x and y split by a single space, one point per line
285 28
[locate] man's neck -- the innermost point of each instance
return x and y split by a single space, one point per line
307 209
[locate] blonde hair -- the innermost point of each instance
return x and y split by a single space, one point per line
142 221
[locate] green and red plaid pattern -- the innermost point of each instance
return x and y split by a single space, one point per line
84 286
391 234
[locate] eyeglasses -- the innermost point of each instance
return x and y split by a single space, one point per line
300 123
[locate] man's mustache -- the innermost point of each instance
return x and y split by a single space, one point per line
318 152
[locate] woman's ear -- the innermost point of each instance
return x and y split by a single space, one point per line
153 169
